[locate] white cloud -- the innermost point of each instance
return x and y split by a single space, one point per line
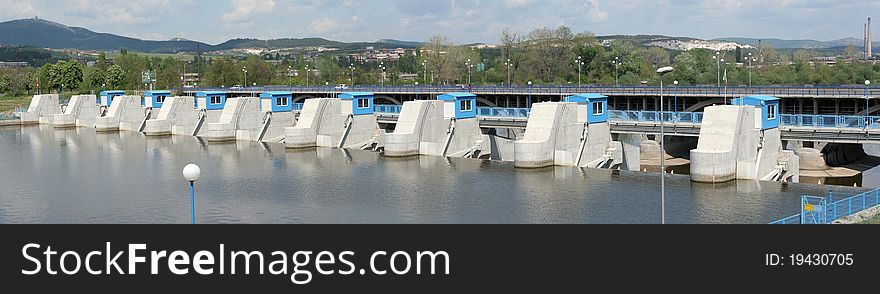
247 10
322 25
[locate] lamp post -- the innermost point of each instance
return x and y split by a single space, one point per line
327 84
244 70
382 67
469 66
750 68
191 173
529 105
307 75
616 63
425 65
675 103
718 61
351 67
508 65
662 71
867 105
62 91
417 90
290 74
580 64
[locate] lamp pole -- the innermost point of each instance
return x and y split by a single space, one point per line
352 74
417 90
191 173
244 70
307 75
750 69
867 105
616 63
580 64
675 106
718 61
662 71
425 65
529 106
508 64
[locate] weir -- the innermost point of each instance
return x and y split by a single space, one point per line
571 133
344 122
445 127
743 141
42 110
253 119
176 112
125 114
81 111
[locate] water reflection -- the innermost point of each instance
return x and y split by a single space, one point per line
79 176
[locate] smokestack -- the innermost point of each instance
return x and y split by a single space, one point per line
865 42
870 41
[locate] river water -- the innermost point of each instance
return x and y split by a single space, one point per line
80 176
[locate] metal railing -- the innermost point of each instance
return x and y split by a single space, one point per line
833 211
733 91
831 121
655 116
382 108
503 112
8 116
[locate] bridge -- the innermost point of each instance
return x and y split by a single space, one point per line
817 100
796 127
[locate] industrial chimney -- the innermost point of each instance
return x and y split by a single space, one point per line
870 50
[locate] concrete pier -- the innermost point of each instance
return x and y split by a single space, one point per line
175 112
344 122
572 133
276 114
81 111
238 114
42 110
444 127
743 142
125 113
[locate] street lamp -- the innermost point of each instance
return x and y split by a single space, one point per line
62 91
751 59
580 64
469 66
244 70
675 106
290 74
352 74
191 173
718 62
529 105
307 75
508 64
867 105
417 90
382 67
662 71
616 63
425 65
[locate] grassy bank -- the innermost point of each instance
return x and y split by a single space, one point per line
8 102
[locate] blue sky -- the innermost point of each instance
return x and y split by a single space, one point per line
463 21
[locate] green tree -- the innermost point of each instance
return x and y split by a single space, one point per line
115 77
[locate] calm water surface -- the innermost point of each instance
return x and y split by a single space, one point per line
80 176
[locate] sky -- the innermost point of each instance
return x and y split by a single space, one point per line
462 21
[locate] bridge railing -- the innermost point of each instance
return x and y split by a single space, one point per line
503 112
836 209
732 91
831 121
655 116
382 108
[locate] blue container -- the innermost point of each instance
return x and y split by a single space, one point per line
215 100
361 102
279 101
465 104
597 106
769 106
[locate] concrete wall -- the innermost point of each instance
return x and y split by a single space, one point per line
304 133
732 146
81 111
238 114
42 109
125 113
175 111
632 145
551 138
421 127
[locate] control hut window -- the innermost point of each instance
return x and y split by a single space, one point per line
771 111
281 101
467 105
598 108
160 99
215 100
363 103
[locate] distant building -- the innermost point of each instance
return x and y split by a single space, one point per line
191 79
13 64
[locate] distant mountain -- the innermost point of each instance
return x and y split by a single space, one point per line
800 44
46 34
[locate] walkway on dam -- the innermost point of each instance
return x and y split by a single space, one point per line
641 91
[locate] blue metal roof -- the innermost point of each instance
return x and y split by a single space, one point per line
112 92
150 93
584 98
206 93
456 96
356 94
276 93
761 98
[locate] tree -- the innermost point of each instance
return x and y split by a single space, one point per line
258 71
115 77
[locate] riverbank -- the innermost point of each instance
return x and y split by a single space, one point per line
8 102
